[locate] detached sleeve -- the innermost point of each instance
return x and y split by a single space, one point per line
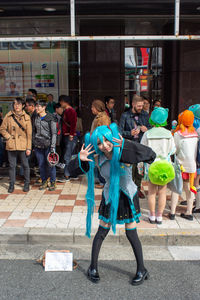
133 153
77 167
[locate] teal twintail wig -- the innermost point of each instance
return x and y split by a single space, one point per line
90 190
108 132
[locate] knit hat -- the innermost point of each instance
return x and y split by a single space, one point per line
196 110
99 105
159 116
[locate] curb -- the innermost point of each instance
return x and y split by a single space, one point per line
148 237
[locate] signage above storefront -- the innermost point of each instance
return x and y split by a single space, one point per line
31 45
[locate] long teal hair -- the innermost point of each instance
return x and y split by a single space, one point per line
108 132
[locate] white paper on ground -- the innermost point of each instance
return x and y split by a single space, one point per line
58 261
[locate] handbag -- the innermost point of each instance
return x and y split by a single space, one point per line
176 185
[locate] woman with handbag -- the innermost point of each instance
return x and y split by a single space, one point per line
161 141
120 203
16 128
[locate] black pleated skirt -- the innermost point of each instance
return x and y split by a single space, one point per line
128 212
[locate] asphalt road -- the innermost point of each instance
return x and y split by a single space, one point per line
173 280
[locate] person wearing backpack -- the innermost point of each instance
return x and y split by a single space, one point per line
16 128
44 139
161 141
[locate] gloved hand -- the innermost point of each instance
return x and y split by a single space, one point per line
52 150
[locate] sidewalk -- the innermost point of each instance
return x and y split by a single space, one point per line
46 216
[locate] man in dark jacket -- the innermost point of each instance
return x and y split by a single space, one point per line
44 139
133 124
69 120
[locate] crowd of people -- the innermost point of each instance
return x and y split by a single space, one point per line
116 156
45 134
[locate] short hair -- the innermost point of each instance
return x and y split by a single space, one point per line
30 101
57 105
18 100
65 98
50 95
107 99
156 100
137 98
33 91
41 102
13 83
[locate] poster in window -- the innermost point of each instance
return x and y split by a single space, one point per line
11 79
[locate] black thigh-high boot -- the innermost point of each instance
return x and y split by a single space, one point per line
142 273
96 246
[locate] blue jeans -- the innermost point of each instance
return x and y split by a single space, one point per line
69 148
46 170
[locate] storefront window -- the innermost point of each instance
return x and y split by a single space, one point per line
48 67
143 72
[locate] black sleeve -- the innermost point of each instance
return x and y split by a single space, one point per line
74 167
134 153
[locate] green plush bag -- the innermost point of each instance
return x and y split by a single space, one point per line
161 172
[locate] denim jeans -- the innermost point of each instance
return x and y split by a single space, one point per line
46 170
69 148
12 158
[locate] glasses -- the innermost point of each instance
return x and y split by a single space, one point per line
17 104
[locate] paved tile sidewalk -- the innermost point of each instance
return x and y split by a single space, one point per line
65 208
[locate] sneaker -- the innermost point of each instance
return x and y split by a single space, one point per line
159 220
26 187
39 180
140 194
52 186
44 185
187 217
67 178
11 188
74 178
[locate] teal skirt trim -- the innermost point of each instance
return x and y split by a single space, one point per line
124 221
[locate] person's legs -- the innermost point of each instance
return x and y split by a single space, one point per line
69 148
132 236
137 178
174 202
25 164
40 155
197 205
161 202
152 188
96 246
190 199
12 158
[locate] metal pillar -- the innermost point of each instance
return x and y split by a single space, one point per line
72 17
177 17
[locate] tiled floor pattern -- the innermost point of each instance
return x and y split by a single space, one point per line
65 207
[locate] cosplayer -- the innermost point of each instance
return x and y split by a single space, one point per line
196 111
186 139
161 171
119 204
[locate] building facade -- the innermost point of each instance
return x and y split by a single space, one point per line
87 69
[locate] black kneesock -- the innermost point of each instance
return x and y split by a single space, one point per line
133 238
96 246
